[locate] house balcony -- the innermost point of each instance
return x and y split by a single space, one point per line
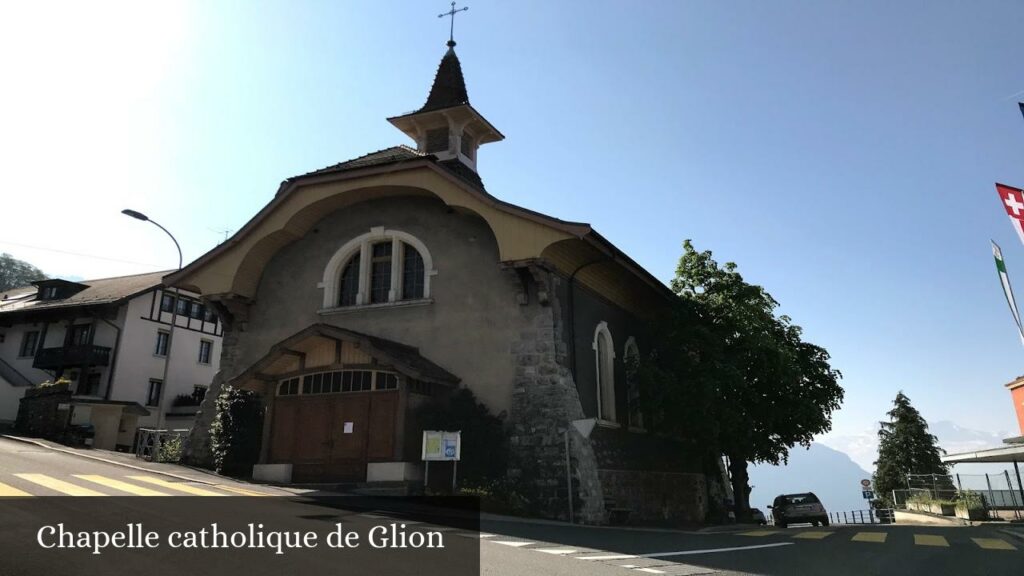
77 355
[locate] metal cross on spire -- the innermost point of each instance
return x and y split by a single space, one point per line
452 13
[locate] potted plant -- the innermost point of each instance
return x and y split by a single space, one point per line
970 505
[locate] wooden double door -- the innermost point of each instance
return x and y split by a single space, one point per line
331 437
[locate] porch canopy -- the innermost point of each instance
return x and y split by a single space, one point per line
323 346
1005 454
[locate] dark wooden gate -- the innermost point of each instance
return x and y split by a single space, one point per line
330 438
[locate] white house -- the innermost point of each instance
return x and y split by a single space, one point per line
109 337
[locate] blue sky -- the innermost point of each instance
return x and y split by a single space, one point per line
842 153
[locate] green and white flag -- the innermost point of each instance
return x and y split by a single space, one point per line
1007 290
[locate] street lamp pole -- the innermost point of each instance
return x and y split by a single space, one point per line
170 333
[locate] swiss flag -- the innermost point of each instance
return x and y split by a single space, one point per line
1013 201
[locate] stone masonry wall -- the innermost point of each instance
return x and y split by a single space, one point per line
544 402
657 497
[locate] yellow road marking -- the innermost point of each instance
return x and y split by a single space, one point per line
6 490
59 485
869 537
176 486
119 485
812 535
930 540
994 544
241 491
759 533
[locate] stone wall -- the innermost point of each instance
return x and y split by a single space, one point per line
38 414
544 402
657 497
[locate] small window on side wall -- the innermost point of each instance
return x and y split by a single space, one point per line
604 356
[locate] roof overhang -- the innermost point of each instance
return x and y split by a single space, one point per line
1012 453
415 123
1016 383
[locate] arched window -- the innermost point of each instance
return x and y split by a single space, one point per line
380 267
604 355
631 357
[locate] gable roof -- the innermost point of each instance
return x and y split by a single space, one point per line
97 292
397 155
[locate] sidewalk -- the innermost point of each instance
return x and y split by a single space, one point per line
177 471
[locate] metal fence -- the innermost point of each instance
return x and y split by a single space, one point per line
870 516
172 444
1001 491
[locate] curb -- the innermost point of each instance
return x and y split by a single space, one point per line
1015 533
105 460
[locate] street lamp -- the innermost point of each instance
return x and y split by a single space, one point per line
170 334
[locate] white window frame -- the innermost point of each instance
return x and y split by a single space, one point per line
601 371
331 283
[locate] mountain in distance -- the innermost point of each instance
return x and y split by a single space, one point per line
827 472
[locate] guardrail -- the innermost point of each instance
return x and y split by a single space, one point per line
870 516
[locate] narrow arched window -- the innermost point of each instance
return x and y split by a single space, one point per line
413 273
350 282
605 358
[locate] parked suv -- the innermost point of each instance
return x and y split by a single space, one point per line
796 508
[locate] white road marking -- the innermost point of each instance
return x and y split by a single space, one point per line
607 557
557 551
650 570
628 565
377 516
713 550
511 543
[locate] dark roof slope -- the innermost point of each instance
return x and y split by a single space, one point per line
449 88
397 155
12 376
99 291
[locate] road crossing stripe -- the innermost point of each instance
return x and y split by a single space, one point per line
557 551
376 516
994 544
59 485
244 492
607 557
179 486
812 535
119 485
6 490
511 543
930 540
869 537
650 570
713 550
759 533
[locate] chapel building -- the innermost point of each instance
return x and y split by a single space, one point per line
363 289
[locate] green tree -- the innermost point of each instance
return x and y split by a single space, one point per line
15 273
906 447
733 375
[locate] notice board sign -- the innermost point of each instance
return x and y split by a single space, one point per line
442 446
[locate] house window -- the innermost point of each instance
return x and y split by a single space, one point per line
28 344
162 339
91 386
384 266
183 306
209 316
387 381
79 335
48 293
198 394
197 310
205 347
153 396
338 381
604 355
288 387
167 303
632 362
413 272
380 273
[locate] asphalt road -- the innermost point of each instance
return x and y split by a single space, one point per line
510 547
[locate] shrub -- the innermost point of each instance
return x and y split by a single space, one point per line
236 432
970 500
171 449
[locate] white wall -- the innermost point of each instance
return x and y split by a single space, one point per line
9 399
137 362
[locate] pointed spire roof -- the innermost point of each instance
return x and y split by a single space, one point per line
449 87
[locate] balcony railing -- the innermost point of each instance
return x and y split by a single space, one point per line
77 355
